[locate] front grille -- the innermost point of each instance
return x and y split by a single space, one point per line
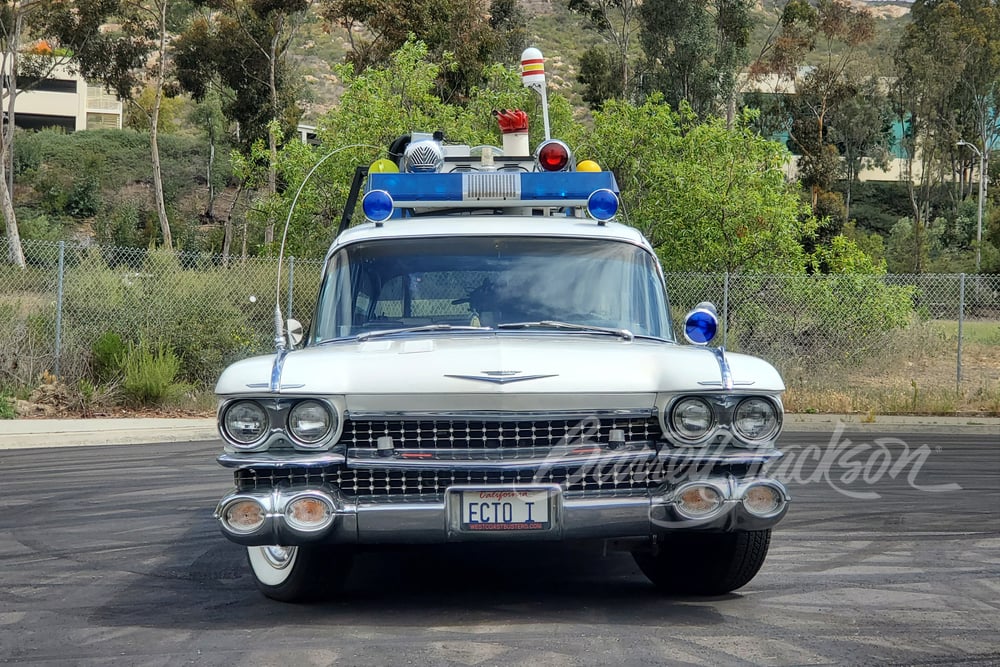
538 435
633 476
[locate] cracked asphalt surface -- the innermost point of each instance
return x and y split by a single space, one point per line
110 555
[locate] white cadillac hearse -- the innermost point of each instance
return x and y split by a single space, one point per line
492 358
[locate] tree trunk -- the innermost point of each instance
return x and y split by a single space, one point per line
14 250
161 207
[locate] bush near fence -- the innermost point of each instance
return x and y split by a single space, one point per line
211 312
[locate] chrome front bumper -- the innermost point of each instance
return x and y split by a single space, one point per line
575 516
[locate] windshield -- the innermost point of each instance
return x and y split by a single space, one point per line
488 282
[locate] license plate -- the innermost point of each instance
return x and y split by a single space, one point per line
499 510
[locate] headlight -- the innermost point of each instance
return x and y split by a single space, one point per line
310 422
692 418
245 422
755 419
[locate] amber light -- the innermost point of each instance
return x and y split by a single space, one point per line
698 500
244 515
762 500
308 512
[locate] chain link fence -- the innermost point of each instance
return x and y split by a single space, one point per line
837 331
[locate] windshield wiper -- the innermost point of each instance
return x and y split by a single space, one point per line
426 327
625 334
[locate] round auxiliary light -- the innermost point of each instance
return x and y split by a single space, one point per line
383 166
756 419
602 204
692 418
245 422
243 515
701 324
553 155
763 500
377 205
309 512
310 422
588 165
698 501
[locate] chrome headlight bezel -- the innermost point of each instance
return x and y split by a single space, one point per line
332 425
723 431
227 430
770 434
278 434
670 416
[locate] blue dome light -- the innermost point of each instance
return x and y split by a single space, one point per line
700 326
602 204
377 205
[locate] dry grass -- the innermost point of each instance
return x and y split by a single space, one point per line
916 374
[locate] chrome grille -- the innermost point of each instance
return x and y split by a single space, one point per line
634 476
472 434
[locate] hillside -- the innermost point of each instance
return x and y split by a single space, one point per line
563 36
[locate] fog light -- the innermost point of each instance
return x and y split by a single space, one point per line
309 513
244 516
763 500
698 501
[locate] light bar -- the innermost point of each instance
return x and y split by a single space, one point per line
496 189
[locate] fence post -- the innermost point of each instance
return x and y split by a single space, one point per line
725 310
291 284
961 318
59 305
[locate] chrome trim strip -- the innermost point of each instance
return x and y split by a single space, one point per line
691 457
279 362
727 374
289 460
513 464
498 415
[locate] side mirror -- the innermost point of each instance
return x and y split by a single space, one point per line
294 329
701 324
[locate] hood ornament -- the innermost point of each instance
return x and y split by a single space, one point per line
501 377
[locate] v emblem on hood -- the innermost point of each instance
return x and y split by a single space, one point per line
500 377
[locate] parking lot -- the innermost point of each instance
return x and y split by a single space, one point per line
110 555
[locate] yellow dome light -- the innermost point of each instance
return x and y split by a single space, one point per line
383 166
588 165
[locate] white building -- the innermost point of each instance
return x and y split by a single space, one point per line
65 100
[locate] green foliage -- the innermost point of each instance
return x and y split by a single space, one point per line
816 320
108 352
459 35
693 50
149 374
84 198
7 406
708 198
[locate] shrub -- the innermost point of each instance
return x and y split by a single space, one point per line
150 373
108 354
7 406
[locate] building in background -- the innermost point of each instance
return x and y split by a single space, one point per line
64 99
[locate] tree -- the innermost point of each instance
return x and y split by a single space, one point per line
607 70
124 60
948 70
475 33
244 46
708 198
70 26
694 50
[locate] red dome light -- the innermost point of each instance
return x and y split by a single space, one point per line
553 155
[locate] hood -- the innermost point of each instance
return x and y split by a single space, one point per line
493 367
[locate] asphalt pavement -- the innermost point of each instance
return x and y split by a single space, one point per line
30 433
